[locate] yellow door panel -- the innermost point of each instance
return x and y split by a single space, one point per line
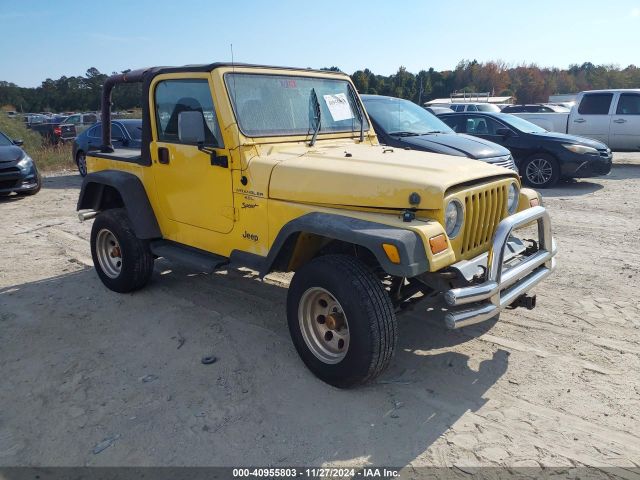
194 191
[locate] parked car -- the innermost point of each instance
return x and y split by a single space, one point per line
52 128
81 121
18 172
542 157
610 116
124 133
401 123
474 107
31 119
437 110
535 108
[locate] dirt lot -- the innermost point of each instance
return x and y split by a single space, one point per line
90 377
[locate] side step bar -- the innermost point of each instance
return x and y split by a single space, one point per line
188 256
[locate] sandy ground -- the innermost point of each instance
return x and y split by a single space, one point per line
90 377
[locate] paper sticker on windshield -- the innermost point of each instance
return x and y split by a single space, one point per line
338 107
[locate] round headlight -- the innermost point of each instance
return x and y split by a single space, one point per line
512 199
453 216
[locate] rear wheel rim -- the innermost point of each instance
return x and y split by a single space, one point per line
109 253
82 164
324 325
539 171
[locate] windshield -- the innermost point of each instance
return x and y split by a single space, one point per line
487 107
402 117
268 105
134 129
4 140
559 108
521 124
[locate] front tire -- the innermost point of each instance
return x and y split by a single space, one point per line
81 162
341 320
123 262
540 171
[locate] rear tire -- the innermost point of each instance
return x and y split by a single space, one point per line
123 262
341 320
540 171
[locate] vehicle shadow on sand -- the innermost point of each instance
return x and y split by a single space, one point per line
62 181
257 405
571 188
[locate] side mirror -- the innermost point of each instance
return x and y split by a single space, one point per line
504 132
18 142
191 127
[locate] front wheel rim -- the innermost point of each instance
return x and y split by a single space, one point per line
324 325
109 253
539 171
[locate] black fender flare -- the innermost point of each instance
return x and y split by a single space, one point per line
370 235
134 197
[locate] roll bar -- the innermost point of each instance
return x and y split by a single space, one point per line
134 76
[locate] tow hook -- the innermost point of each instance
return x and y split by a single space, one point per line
532 247
527 301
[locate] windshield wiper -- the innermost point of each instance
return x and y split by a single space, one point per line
315 104
404 134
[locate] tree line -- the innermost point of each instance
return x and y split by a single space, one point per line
80 93
526 83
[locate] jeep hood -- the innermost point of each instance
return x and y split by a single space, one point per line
373 176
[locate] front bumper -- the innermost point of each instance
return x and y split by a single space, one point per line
575 165
12 179
504 282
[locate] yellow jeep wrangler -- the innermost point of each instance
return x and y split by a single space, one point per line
279 169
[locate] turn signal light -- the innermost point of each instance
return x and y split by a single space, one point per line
438 243
392 253
534 202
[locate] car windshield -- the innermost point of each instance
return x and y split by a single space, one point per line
521 124
4 140
487 107
559 108
267 105
134 130
402 117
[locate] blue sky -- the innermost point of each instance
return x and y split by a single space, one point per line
41 39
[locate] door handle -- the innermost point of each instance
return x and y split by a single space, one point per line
579 120
163 155
620 120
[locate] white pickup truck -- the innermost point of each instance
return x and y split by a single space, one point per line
611 116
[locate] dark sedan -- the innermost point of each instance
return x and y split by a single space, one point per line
18 172
542 157
124 134
403 124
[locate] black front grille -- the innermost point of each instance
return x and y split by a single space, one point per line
4 184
